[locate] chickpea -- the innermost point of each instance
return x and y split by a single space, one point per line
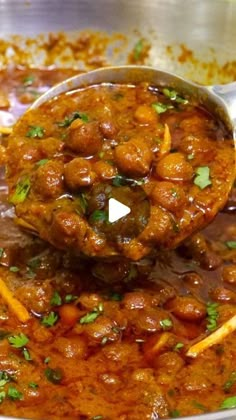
174 166
85 139
78 173
168 195
104 170
229 274
134 157
48 179
187 308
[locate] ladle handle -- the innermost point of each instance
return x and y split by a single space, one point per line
227 93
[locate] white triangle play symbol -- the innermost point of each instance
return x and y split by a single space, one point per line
116 210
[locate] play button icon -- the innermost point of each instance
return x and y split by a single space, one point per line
116 210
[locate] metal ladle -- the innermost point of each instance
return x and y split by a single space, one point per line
219 100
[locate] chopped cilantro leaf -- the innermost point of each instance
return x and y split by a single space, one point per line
14 394
202 178
174 96
92 316
178 346
121 180
160 107
47 360
97 417
33 385
56 299
2 396
99 216
50 319
228 403
34 263
35 131
231 381
41 162
166 323
53 375
68 120
174 414
231 244
138 48
212 315
199 405
29 80
1 252
26 354
21 191
18 341
14 269
70 298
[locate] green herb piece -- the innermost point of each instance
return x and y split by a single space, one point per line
174 414
50 319
14 269
21 191
160 107
97 417
47 360
82 202
121 180
199 405
3 382
4 376
41 162
166 323
132 274
18 341
29 80
99 216
92 316
33 385
190 156
231 381
26 354
116 297
231 244
68 120
35 131
34 263
174 96
14 394
174 193
101 154
212 316
1 252
70 298
178 346
138 48
2 396
228 403
53 375
202 178
56 299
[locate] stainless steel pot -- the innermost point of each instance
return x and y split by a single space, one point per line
205 31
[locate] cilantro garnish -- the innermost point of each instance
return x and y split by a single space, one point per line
121 180
14 269
228 403
35 131
231 381
33 385
138 48
166 323
202 178
18 341
56 299
70 298
91 316
99 216
50 319
21 191
53 375
212 315
178 346
26 354
68 120
41 162
29 80
160 107
14 394
1 252
174 96
231 244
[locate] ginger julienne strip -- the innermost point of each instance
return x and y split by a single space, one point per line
14 304
216 337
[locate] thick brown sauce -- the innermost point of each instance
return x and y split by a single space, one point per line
108 364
